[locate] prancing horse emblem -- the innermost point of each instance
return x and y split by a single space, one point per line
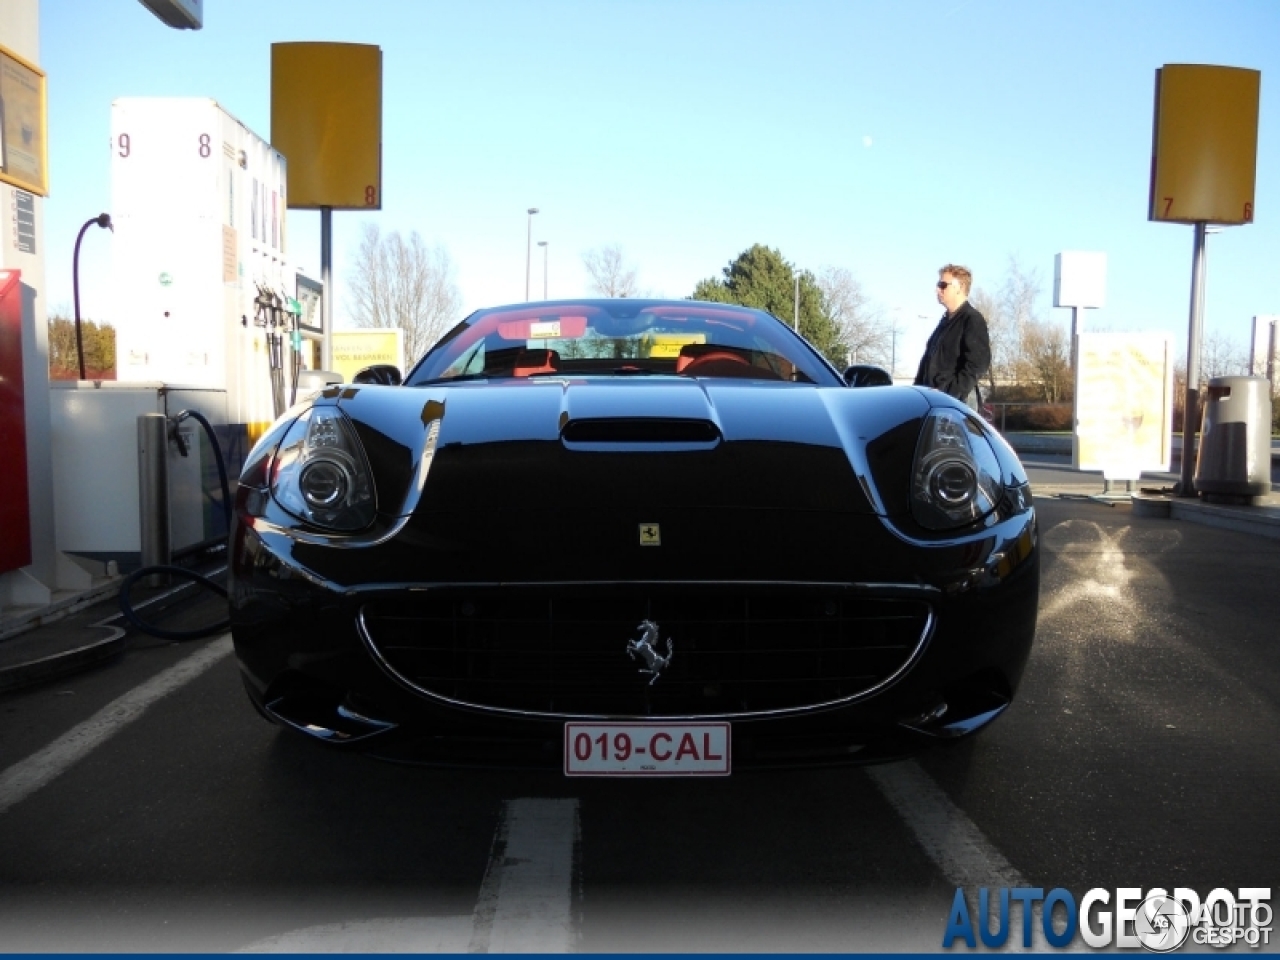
647 647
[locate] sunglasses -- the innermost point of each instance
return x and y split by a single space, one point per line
943 284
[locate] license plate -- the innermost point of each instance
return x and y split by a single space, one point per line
641 749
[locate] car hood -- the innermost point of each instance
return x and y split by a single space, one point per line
651 440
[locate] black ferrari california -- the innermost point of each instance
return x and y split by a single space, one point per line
632 538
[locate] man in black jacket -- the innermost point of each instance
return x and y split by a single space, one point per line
959 351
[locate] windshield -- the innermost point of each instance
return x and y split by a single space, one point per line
622 338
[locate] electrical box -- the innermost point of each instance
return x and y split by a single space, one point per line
94 429
198 203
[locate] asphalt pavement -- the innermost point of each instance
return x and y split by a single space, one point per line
144 805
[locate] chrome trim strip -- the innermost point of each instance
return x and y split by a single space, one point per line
911 590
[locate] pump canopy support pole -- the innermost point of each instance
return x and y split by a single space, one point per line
1186 485
326 295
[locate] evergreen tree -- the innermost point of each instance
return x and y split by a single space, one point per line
759 277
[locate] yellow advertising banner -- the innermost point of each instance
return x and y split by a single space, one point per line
353 350
326 118
1123 403
1204 150
24 139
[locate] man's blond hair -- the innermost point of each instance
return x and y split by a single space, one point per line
961 275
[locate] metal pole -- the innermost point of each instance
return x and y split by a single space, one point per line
528 254
1271 357
326 281
1186 486
1076 317
543 245
153 493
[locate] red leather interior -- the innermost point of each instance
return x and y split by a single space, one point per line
530 362
694 355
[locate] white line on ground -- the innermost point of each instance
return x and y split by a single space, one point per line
952 841
956 845
525 902
383 935
27 776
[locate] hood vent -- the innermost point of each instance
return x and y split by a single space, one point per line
640 430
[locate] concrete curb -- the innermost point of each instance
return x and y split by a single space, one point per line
29 665
1259 521
62 664
30 619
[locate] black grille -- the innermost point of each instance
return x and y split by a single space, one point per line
563 650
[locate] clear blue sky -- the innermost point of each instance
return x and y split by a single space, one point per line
888 138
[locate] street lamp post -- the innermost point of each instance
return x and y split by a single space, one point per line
102 220
543 245
528 254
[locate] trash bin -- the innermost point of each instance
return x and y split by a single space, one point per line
1235 438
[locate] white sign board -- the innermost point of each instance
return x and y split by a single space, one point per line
1123 404
1080 279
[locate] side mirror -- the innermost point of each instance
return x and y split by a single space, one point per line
867 375
386 374
317 379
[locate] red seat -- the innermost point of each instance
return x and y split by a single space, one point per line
529 362
694 355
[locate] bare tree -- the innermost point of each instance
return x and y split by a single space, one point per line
610 274
1012 313
860 325
1046 360
999 334
1220 356
1020 295
404 284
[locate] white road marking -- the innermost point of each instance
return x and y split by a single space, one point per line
525 903
952 841
27 776
392 935
961 851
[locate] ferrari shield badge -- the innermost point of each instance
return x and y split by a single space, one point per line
646 649
650 535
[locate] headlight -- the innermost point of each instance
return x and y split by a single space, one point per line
955 479
320 474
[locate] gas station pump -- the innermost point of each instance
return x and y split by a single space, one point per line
203 318
279 316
